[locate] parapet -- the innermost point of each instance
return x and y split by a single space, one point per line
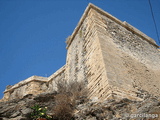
33 85
124 24
115 58
58 72
27 81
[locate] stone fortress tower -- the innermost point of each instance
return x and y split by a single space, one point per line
113 58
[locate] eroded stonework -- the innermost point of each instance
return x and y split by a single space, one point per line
113 58
34 85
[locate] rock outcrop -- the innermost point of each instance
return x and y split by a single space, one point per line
20 109
92 109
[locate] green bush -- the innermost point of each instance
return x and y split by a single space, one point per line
39 112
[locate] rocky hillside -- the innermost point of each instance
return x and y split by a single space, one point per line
82 109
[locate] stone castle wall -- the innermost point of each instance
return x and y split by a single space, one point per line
85 43
34 85
132 59
118 59
113 58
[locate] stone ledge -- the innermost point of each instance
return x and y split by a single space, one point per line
26 81
124 24
139 33
35 79
59 71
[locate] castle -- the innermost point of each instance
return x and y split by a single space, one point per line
113 58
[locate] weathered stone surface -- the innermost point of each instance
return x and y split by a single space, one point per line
33 85
123 109
20 109
113 58
112 109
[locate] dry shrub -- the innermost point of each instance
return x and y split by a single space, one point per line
75 90
67 97
63 109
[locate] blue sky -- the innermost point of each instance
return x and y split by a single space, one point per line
33 32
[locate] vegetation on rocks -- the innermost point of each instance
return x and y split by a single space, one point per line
39 112
70 102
